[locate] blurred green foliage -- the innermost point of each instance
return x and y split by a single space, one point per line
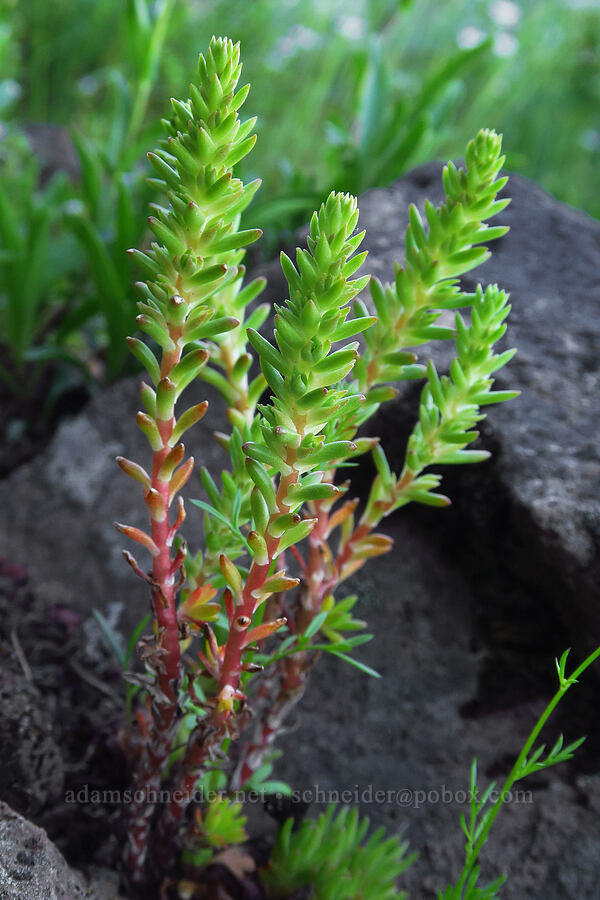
346 100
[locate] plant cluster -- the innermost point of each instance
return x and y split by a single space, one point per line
238 625
330 855
65 306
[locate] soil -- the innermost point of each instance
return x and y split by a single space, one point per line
71 701
27 423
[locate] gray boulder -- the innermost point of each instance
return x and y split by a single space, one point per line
31 868
400 747
534 511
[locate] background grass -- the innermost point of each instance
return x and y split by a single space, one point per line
345 100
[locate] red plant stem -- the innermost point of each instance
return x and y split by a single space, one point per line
210 731
321 578
291 672
236 639
291 675
364 527
344 556
156 740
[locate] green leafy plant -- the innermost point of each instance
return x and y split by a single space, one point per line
373 149
483 813
200 252
35 260
105 217
330 854
220 826
65 298
256 605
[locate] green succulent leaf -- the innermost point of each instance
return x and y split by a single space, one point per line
333 855
194 291
450 410
446 244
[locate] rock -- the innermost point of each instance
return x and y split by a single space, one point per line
32 768
31 868
533 513
32 771
54 147
60 709
105 883
400 747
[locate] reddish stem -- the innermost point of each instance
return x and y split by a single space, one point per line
321 576
291 672
156 740
211 730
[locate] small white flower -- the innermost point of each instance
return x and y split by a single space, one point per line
589 139
505 13
470 37
352 27
505 44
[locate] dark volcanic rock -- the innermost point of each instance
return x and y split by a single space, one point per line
32 770
534 511
31 868
32 767
61 707
400 748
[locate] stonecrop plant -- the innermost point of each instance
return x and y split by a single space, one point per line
238 624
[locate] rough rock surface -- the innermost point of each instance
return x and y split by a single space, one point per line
469 609
538 503
32 767
406 735
31 868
